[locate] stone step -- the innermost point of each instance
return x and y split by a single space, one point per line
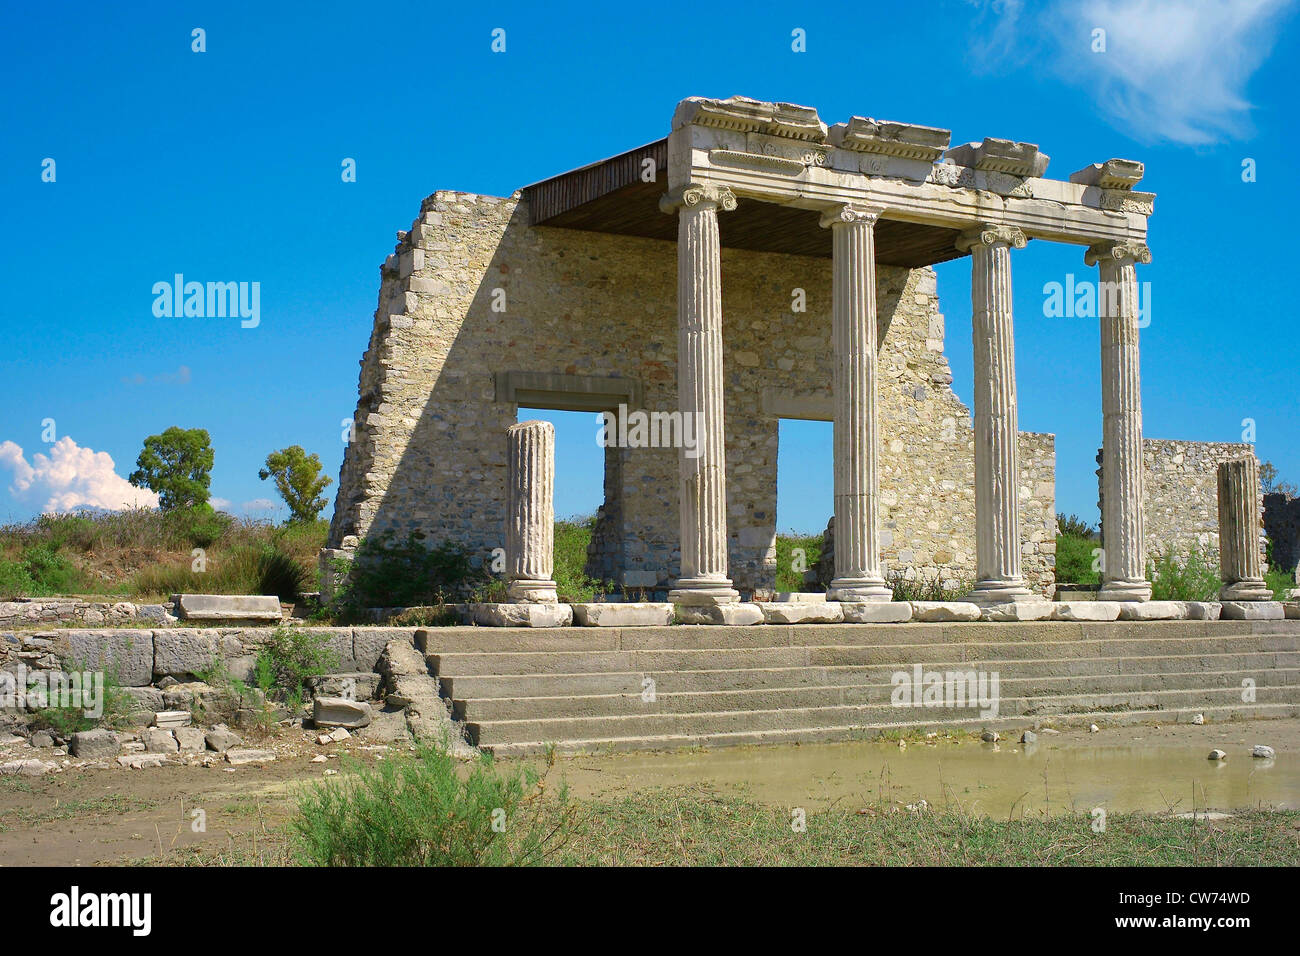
451 640
479 710
588 662
467 687
832 734
563 729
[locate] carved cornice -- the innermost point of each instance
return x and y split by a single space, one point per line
1001 156
992 236
1118 250
696 195
744 115
1112 174
901 140
850 214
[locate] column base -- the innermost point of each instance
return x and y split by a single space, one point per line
864 590
532 592
1251 589
1119 590
1001 592
703 592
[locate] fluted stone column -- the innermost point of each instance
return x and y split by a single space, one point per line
1239 527
853 337
1124 567
700 386
997 453
530 512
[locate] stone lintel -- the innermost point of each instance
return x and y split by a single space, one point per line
1112 174
901 140
1001 156
576 393
815 405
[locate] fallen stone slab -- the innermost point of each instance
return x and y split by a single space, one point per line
1016 611
220 739
340 712
1203 610
1252 611
158 741
632 614
523 615
141 761
942 611
171 718
191 740
876 612
735 614
1263 752
251 608
27 768
97 744
1152 611
238 757
1085 610
827 612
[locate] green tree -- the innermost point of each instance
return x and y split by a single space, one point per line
298 480
178 466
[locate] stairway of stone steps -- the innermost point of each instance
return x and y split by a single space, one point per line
518 690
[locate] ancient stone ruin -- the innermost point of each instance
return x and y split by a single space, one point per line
753 265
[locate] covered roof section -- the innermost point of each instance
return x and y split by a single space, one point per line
787 167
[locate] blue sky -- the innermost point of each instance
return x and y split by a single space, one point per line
225 165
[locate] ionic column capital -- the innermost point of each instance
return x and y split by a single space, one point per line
850 214
989 235
1122 250
698 196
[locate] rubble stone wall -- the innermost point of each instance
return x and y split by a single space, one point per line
472 292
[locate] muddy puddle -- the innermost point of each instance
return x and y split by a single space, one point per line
1121 769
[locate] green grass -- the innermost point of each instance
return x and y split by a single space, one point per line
1280 582
682 826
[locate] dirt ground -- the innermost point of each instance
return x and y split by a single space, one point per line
95 815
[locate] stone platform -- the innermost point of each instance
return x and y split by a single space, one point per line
606 689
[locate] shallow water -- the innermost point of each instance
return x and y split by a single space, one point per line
1122 769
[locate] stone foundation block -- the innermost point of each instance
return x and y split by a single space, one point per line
1017 611
943 611
1252 611
159 741
1152 611
643 614
183 653
126 654
799 597
802 612
1203 610
730 614
191 740
257 609
1292 610
95 745
876 612
523 615
368 643
1085 610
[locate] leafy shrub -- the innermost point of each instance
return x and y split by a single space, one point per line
15 581
572 538
422 811
1279 582
1074 559
787 577
386 573
1193 577
290 656
1074 525
199 525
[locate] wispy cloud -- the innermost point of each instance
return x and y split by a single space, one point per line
70 477
1171 70
181 376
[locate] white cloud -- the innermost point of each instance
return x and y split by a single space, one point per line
220 504
71 477
1172 70
259 504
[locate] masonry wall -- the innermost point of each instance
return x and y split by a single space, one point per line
1282 525
1181 494
429 449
